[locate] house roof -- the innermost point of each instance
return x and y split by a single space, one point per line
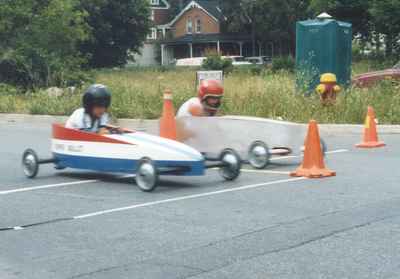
208 6
208 38
212 7
163 4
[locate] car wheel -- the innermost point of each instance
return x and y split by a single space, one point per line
30 163
146 175
259 155
232 164
324 147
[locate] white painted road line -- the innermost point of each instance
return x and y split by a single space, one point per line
35 188
64 184
299 156
265 171
188 197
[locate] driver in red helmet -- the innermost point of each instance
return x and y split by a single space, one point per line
207 102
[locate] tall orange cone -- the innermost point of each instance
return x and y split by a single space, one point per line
167 121
313 165
370 139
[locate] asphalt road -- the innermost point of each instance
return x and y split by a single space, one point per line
264 225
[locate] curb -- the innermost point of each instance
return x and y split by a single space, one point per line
151 126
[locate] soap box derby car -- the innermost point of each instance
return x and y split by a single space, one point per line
146 156
255 139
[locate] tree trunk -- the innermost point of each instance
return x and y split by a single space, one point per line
389 45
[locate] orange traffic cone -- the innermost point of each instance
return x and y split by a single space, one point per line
313 165
370 139
167 121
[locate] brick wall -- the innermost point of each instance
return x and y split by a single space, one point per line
161 16
208 24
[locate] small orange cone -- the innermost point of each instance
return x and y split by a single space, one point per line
370 139
167 121
313 165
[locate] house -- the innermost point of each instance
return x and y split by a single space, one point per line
196 30
160 15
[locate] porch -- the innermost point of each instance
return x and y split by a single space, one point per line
199 45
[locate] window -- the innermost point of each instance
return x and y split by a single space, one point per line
155 2
198 25
153 34
152 15
189 26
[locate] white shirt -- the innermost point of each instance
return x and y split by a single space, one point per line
184 110
81 120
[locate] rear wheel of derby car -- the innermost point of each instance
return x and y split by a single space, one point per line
231 164
146 175
30 163
324 147
259 155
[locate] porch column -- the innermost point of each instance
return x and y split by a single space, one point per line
162 54
241 48
163 32
218 47
191 50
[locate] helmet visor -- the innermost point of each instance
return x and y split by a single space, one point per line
213 102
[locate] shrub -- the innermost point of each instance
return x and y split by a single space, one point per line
6 89
45 50
286 63
215 62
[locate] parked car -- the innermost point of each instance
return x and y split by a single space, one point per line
237 60
190 62
371 78
259 60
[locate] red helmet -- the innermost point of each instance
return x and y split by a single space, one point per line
210 89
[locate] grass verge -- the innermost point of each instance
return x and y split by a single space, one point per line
137 93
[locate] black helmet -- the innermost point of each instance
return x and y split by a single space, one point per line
96 95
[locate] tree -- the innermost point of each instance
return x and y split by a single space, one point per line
39 40
272 21
276 21
119 28
386 18
356 12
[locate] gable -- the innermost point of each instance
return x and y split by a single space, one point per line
159 4
210 8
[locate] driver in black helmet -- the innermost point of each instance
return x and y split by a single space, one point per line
93 117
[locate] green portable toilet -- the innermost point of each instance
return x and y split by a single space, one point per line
323 45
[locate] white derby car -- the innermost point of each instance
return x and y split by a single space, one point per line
130 152
255 139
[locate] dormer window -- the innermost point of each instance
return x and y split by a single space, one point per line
155 2
198 25
189 26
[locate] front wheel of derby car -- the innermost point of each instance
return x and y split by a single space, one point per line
232 164
259 155
30 163
146 175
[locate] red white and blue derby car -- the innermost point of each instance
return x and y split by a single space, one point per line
131 152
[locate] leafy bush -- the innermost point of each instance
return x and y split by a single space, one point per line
215 62
7 89
285 63
39 42
256 70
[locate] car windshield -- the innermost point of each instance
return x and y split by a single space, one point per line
253 60
239 59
